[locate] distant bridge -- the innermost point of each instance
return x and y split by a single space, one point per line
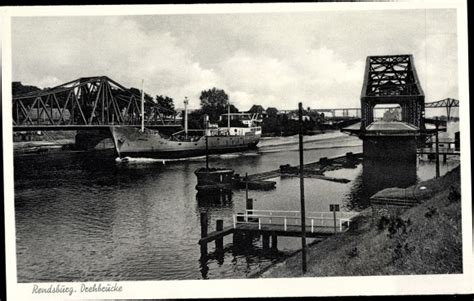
85 103
447 103
351 113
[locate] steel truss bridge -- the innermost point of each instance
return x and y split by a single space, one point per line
447 103
85 103
392 80
99 102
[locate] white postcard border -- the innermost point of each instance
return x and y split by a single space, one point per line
328 286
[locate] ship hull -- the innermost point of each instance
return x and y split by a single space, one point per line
131 142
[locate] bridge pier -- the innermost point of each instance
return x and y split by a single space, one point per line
390 148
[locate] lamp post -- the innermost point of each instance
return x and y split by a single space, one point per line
228 116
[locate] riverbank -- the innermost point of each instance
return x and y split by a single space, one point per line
426 239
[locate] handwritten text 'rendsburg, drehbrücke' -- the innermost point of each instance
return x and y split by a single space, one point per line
74 288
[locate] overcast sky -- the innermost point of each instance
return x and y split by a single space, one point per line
272 59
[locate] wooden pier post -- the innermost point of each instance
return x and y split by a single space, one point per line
274 242
265 241
204 223
237 236
220 241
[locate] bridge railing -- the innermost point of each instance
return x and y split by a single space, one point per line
286 218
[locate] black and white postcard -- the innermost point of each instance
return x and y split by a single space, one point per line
237 150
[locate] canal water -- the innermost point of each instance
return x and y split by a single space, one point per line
81 216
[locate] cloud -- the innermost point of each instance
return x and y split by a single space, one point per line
436 61
107 46
319 78
269 59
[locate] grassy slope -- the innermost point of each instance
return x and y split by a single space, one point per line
431 243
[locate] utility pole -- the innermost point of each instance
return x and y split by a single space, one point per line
207 153
143 106
303 213
437 148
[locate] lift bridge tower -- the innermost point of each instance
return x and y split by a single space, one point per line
391 79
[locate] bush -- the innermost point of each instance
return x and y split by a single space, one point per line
354 252
394 224
454 195
431 211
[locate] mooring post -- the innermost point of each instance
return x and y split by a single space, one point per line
219 241
204 223
303 221
437 147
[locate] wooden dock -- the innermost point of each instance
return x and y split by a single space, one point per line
274 223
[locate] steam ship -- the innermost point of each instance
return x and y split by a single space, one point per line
150 143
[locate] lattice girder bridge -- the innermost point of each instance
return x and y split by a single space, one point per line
85 102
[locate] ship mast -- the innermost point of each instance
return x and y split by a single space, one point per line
186 117
143 107
228 117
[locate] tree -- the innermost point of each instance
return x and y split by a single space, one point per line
258 109
214 103
272 112
195 119
138 93
167 105
18 88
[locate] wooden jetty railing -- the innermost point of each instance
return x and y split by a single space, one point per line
281 219
273 223
441 151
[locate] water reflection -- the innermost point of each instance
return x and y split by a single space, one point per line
209 200
377 175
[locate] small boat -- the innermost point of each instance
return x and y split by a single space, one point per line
214 179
